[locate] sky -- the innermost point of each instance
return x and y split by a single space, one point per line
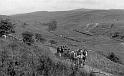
10 7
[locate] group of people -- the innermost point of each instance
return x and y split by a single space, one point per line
78 56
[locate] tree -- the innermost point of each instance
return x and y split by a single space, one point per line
6 27
28 37
52 25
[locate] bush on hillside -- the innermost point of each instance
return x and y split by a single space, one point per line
117 35
52 25
6 27
113 57
28 37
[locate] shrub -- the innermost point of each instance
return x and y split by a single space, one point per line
28 37
113 58
117 35
52 25
6 27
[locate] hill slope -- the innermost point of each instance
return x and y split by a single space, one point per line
77 28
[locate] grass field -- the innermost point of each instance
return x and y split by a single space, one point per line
75 29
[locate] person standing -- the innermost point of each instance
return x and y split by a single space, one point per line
81 55
84 56
63 50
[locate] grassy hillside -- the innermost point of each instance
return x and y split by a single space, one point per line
80 20
17 59
73 16
76 28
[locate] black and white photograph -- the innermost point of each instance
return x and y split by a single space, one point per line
61 37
